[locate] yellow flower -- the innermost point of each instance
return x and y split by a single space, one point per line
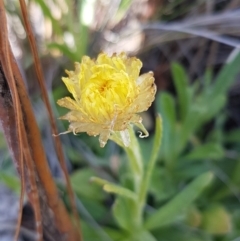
107 92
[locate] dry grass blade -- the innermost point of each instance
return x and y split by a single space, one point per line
9 126
22 148
46 184
6 65
57 141
8 117
24 141
33 191
214 27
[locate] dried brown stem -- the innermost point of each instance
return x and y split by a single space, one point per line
32 190
5 62
57 141
8 121
34 138
24 141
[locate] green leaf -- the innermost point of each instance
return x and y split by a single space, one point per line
47 13
82 41
116 234
10 181
162 185
181 84
212 151
92 231
121 191
190 124
124 5
181 233
233 136
166 106
200 112
167 109
99 181
146 236
151 163
142 236
112 188
211 223
95 208
193 217
190 169
208 76
213 107
82 186
178 205
156 144
226 77
123 213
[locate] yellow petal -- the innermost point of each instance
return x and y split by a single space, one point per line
90 128
123 122
133 66
72 87
75 116
147 91
69 103
104 136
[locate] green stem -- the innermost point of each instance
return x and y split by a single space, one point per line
136 168
141 179
134 156
151 164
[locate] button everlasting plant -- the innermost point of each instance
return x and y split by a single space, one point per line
108 94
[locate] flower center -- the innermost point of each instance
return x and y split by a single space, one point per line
103 99
104 88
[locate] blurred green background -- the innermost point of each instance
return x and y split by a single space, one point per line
193 49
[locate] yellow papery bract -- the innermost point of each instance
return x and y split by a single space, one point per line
107 95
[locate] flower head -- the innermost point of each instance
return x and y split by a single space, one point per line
107 95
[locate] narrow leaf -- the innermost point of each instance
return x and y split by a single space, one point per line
226 77
123 212
48 14
113 188
166 106
206 151
120 191
86 189
233 136
167 109
152 161
169 212
180 81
